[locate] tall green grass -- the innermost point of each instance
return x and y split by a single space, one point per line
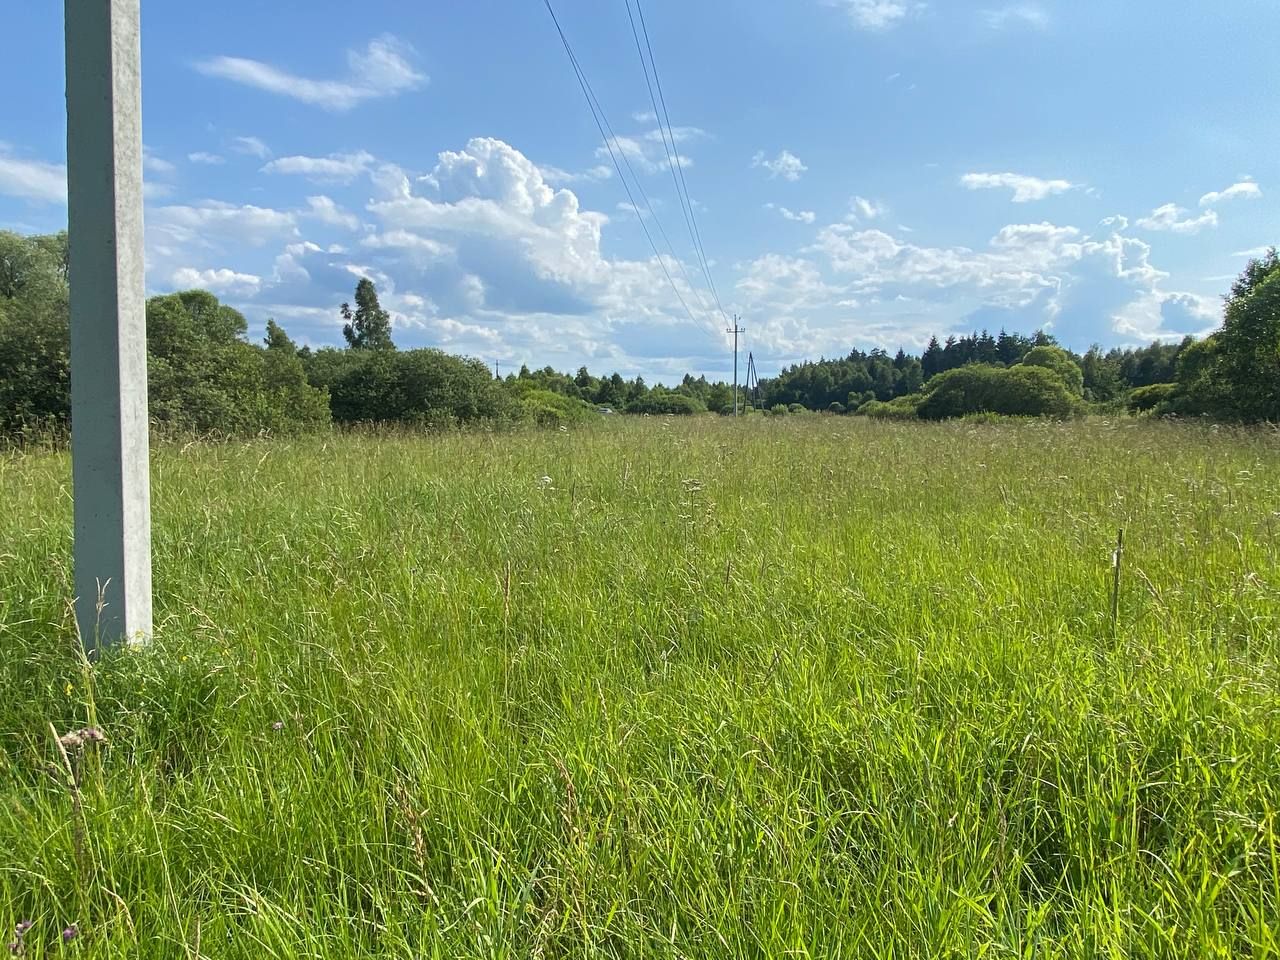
806 688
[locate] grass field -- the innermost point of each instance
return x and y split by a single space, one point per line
816 687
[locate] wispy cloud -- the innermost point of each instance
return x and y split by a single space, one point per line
799 216
196 223
207 159
876 14
1172 218
647 151
335 168
221 280
381 69
865 209
1245 189
1017 15
785 165
153 164
32 179
252 147
1025 189
324 210
556 176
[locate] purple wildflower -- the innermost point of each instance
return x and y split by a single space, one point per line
70 933
16 946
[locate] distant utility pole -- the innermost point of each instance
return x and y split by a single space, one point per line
735 331
496 375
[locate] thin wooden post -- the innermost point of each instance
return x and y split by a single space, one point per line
1116 559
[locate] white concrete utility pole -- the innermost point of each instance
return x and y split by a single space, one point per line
735 331
109 443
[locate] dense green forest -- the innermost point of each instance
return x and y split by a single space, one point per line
206 376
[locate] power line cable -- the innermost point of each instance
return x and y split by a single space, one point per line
679 166
610 141
673 157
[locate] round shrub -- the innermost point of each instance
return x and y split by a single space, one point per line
1150 397
1020 391
1060 362
661 403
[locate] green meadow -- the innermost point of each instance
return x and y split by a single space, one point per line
776 687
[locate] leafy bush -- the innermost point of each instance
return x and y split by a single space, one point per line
35 339
899 408
1020 391
549 409
1060 362
425 387
1148 398
204 376
856 400
666 403
288 403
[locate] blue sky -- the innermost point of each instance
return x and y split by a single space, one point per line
865 172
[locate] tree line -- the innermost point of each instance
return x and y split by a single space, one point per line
206 376
1231 375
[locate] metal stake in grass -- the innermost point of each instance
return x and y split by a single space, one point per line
1116 559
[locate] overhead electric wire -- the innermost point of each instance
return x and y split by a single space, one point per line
673 154
667 133
610 140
